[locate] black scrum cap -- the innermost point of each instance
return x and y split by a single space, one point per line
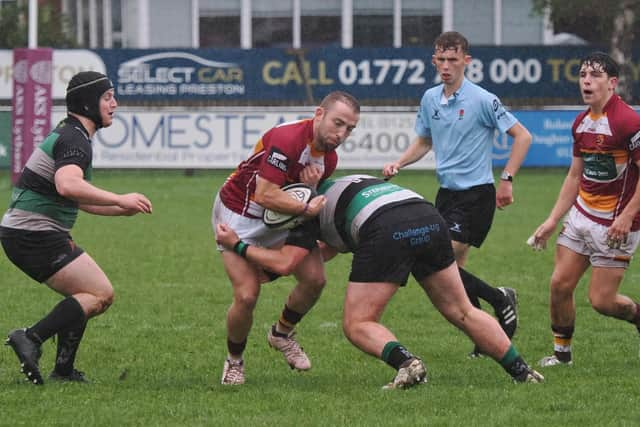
84 92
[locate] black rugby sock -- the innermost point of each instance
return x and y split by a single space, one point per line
477 288
68 342
470 287
67 312
287 321
236 348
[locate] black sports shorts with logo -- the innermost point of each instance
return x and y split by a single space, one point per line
40 254
469 213
407 238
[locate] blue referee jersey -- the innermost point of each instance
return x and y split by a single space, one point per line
462 129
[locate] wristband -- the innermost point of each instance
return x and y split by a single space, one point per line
241 248
306 209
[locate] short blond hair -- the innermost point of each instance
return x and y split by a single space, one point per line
340 96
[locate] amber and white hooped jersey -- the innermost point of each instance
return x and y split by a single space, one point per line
609 145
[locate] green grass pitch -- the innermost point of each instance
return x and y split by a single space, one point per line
155 357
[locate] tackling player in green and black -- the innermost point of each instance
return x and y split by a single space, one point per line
392 232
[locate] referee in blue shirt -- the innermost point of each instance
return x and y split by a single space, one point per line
458 120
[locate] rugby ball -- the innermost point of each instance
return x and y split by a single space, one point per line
283 221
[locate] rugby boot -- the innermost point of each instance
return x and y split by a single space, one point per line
75 376
293 353
233 372
28 352
507 314
412 372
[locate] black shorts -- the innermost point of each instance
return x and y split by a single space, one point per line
469 213
411 238
40 254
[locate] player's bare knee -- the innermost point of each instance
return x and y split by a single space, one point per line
313 286
246 300
350 334
104 301
348 328
560 289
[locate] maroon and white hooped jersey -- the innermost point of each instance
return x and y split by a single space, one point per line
279 156
609 145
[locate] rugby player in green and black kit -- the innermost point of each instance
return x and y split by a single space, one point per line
44 205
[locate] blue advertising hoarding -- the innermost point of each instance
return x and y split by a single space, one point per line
551 143
368 73
391 76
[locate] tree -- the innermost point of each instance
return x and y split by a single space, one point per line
14 26
609 25
621 42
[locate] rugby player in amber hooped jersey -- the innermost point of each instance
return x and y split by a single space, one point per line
300 151
602 198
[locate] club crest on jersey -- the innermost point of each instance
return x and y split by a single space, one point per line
278 159
635 141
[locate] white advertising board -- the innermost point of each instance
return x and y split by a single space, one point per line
220 139
66 63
